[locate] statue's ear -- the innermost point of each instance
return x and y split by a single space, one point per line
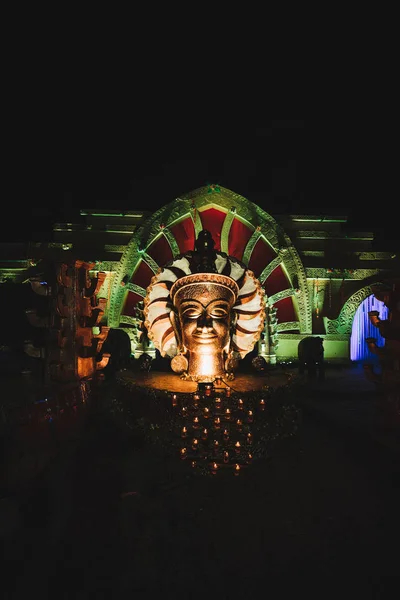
232 327
177 330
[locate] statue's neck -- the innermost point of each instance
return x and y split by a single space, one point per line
208 366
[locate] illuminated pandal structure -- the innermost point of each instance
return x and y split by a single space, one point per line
205 311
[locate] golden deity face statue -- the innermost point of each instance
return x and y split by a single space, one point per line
202 321
205 324
204 310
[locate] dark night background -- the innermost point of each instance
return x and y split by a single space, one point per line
289 166
322 513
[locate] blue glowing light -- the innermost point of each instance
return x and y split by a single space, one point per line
363 328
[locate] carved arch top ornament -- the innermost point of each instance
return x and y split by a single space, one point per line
344 322
190 205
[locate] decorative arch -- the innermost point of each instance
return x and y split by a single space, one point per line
239 228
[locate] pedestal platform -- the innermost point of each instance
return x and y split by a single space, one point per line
170 382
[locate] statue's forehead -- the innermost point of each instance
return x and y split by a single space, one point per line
204 301
204 294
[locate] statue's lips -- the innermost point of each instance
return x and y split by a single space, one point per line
204 338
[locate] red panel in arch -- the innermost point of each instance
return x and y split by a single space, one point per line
131 299
183 232
276 282
142 275
161 251
286 310
213 219
260 257
239 235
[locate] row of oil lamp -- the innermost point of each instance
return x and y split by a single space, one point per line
225 435
226 415
217 402
214 465
209 387
217 419
238 448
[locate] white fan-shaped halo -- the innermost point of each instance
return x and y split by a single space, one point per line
249 308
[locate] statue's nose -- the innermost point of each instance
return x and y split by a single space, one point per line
204 322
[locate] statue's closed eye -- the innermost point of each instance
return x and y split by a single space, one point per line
194 312
218 313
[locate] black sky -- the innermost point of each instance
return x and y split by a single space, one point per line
286 166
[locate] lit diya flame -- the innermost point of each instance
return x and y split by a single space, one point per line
184 432
237 469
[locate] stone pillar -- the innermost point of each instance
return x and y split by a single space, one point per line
268 342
